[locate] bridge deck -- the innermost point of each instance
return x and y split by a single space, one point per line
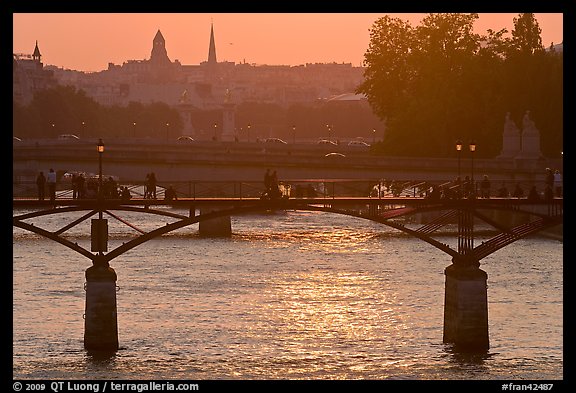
184 202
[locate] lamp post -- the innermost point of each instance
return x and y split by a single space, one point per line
248 126
215 131
373 135
293 134
167 129
458 150
83 129
329 129
472 150
459 178
134 129
100 149
99 226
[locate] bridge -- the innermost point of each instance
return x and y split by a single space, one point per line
465 307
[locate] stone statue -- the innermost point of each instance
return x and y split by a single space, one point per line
510 127
528 124
530 139
511 139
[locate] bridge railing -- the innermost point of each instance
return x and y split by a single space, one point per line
303 188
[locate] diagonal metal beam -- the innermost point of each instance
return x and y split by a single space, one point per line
124 222
438 222
75 222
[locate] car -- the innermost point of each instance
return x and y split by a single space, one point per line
335 155
65 137
16 139
185 138
68 176
275 141
326 142
358 143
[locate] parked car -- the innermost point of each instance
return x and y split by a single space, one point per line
358 143
335 155
67 137
276 141
327 142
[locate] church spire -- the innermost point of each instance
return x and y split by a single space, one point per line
36 55
159 54
212 49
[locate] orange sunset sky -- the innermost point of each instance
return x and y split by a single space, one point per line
89 41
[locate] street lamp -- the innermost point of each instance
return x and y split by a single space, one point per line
215 131
248 138
458 149
134 129
459 178
373 135
100 149
83 129
99 226
472 150
167 128
329 127
293 134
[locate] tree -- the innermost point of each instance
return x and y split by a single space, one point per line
63 110
440 82
526 34
388 72
415 77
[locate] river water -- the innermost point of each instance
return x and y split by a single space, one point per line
295 295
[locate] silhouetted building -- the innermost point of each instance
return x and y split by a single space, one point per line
29 76
160 79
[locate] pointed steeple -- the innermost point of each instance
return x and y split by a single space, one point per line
36 55
159 39
212 49
159 54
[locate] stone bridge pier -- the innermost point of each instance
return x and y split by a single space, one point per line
466 307
100 319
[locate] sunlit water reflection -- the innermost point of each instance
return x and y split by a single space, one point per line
288 296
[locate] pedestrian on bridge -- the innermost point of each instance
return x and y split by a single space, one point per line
485 187
152 184
81 186
170 194
549 178
503 191
558 183
518 192
267 181
51 181
41 184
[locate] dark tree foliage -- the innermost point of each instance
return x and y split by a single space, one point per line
65 110
440 82
337 120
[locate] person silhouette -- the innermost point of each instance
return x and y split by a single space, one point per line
41 185
51 181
